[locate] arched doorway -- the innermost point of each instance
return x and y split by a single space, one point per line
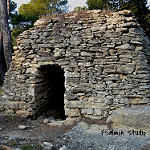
54 89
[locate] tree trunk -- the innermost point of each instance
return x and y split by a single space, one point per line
2 59
8 7
7 44
2 73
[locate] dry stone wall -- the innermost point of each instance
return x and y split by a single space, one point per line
104 56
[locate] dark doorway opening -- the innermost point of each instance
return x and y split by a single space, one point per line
54 80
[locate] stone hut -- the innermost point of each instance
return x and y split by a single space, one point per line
80 64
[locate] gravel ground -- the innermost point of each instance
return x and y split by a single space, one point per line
35 134
81 135
88 139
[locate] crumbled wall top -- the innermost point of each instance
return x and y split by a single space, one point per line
79 15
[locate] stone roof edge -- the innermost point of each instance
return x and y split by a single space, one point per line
80 14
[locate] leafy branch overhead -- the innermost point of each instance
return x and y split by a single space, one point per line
43 7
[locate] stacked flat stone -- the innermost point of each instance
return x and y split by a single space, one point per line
104 55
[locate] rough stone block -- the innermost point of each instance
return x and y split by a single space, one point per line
135 117
125 46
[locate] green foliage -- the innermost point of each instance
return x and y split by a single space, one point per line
139 7
116 4
97 4
16 19
78 8
27 147
19 24
13 143
13 6
43 7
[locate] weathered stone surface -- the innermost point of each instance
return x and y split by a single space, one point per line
135 117
69 121
104 59
22 127
96 128
126 46
56 123
83 125
47 146
63 148
23 113
40 22
46 120
40 118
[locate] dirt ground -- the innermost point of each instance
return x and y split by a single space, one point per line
74 137
35 134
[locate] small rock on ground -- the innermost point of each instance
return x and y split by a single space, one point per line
22 127
63 148
47 146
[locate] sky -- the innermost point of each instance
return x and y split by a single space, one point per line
72 3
